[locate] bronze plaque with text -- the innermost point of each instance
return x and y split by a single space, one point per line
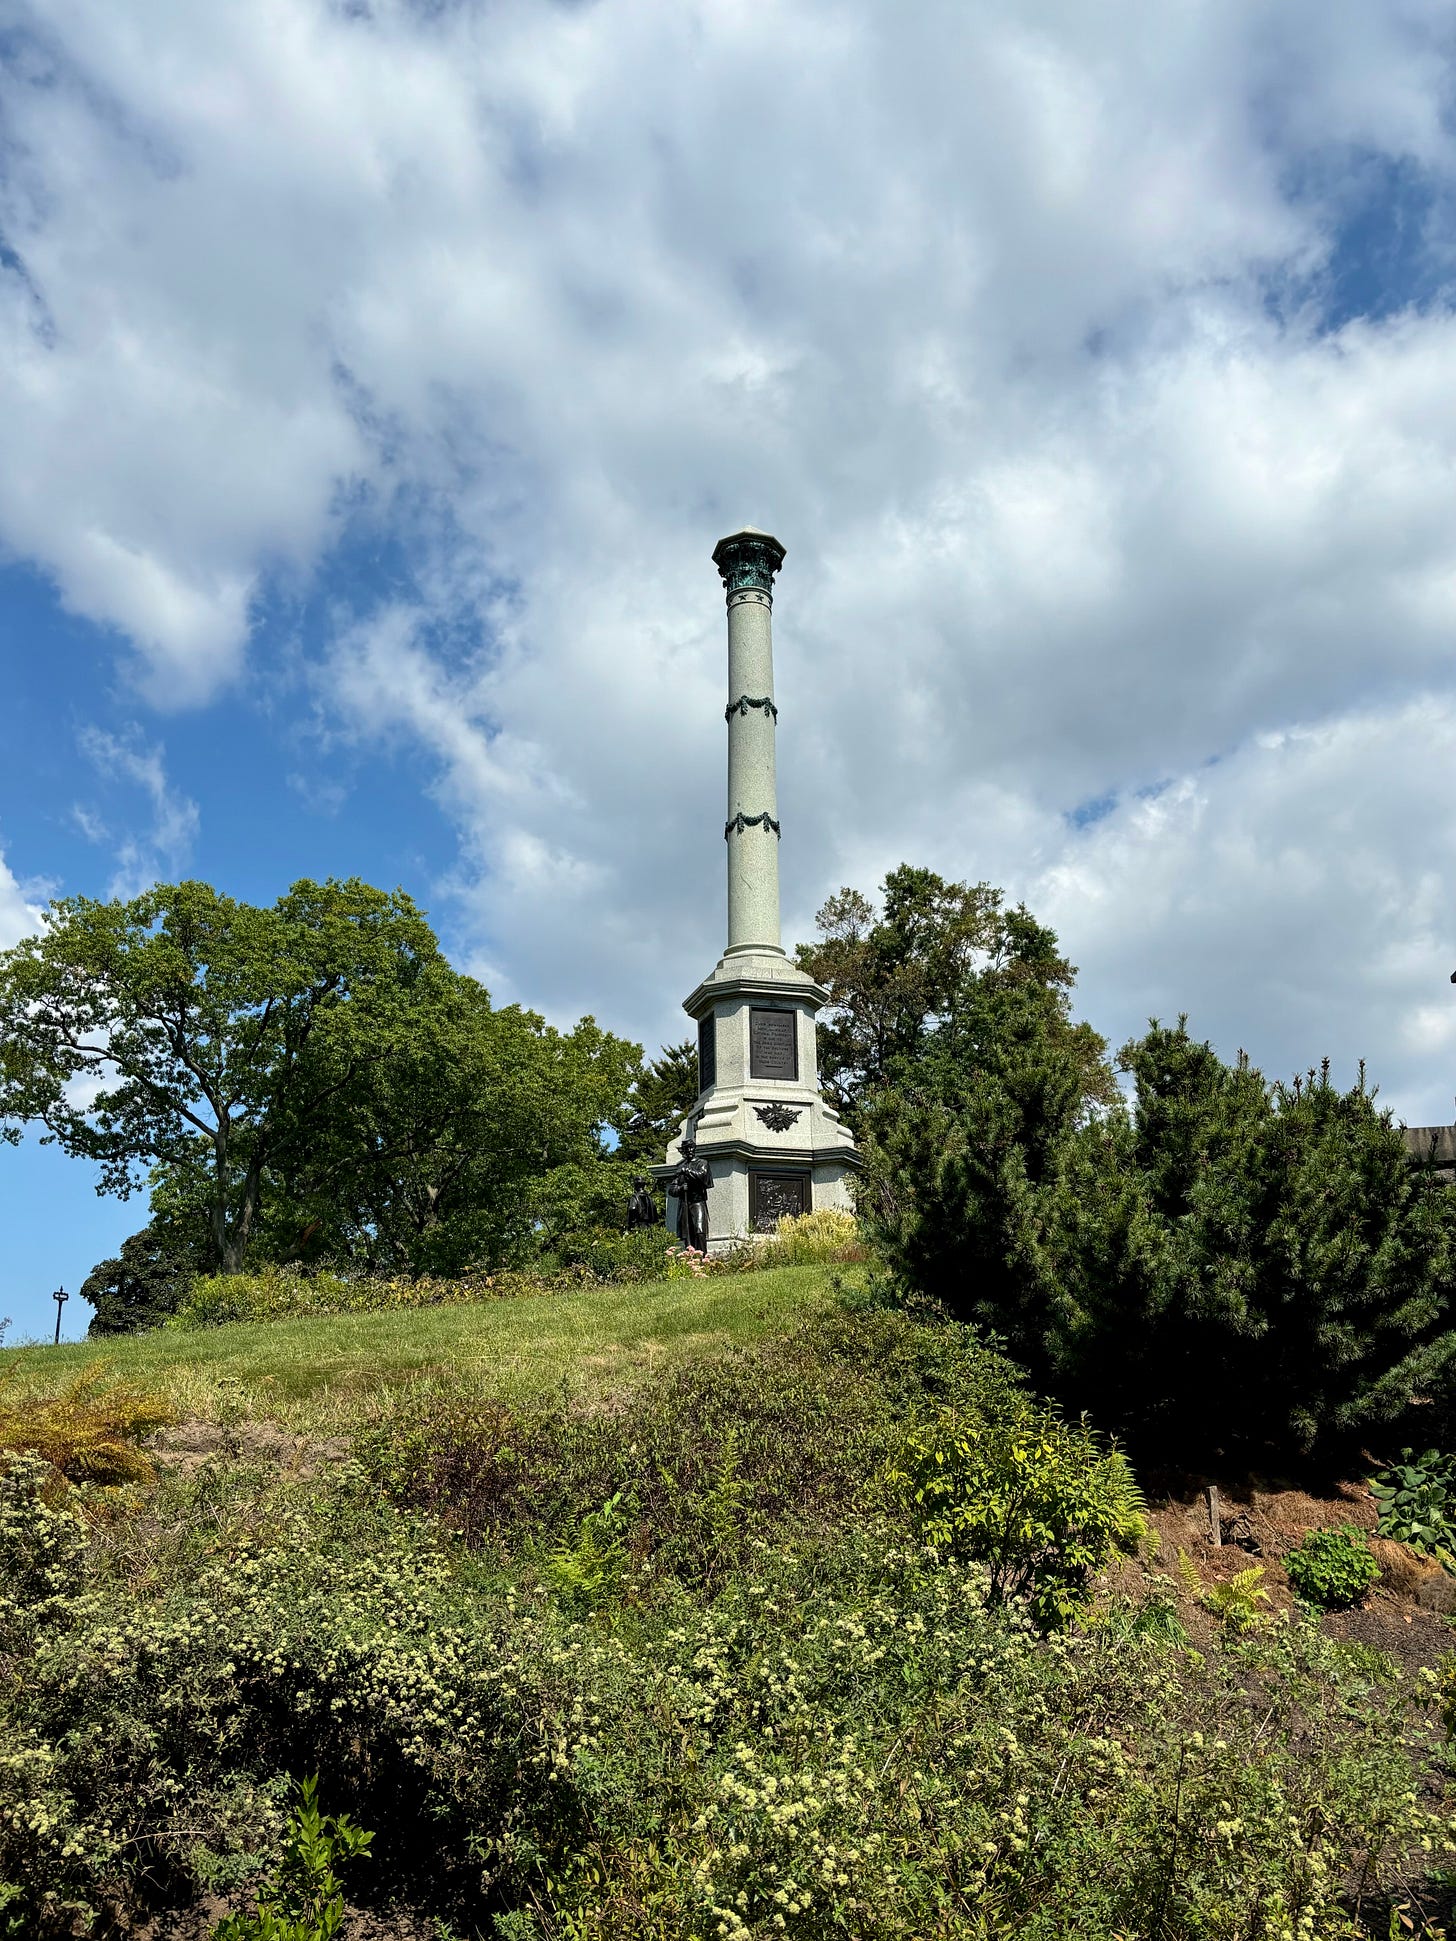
773 1050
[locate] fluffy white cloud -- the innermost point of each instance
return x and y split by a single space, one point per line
19 913
1295 900
1012 321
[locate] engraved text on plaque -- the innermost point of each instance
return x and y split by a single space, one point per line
773 1044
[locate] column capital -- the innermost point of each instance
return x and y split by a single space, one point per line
747 561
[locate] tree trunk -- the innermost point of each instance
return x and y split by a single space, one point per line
217 1213
243 1225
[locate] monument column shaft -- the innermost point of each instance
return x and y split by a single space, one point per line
753 845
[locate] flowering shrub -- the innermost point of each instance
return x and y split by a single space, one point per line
1036 1498
745 1700
857 1743
687 1263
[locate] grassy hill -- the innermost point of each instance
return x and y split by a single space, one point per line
724 1608
334 1371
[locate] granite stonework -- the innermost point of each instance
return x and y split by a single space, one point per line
771 1142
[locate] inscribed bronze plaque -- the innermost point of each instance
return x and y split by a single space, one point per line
773 1195
707 1052
773 1050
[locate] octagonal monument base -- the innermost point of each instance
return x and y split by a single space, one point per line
772 1144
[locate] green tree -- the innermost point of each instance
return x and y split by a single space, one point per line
1308 1262
431 1158
963 1140
1231 1267
178 1030
896 973
143 1283
662 1095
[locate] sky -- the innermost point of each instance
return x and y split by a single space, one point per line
377 377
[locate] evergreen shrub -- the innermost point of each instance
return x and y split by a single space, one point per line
1232 1266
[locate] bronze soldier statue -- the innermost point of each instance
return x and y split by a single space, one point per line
689 1187
642 1208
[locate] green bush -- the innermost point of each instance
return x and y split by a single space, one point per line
304 1901
585 1259
1417 1503
697 1465
1038 1500
285 1293
852 1743
608 1254
1234 1265
291 1293
743 1700
1332 1568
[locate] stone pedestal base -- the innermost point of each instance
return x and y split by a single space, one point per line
772 1144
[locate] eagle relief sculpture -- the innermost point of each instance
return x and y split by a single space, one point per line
778 1118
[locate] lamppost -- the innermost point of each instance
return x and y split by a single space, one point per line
59 1297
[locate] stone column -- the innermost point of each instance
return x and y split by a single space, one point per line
747 561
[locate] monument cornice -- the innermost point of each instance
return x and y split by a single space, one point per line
767 1160
782 990
747 561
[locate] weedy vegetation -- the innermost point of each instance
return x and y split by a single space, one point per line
791 1634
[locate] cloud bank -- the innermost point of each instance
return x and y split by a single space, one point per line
1093 361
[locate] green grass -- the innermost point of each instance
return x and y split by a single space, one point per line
334 1371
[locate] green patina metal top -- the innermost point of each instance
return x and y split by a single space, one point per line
747 560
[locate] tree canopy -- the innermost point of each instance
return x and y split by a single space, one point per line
311 1076
664 1092
913 976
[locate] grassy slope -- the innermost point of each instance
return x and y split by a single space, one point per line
330 1371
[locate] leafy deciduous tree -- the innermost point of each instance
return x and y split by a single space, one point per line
143 1283
432 1158
178 1029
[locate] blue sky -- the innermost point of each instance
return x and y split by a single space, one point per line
377 380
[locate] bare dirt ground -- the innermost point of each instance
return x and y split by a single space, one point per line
1406 1613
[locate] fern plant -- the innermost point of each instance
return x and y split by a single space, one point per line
591 1568
91 1430
1238 1602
